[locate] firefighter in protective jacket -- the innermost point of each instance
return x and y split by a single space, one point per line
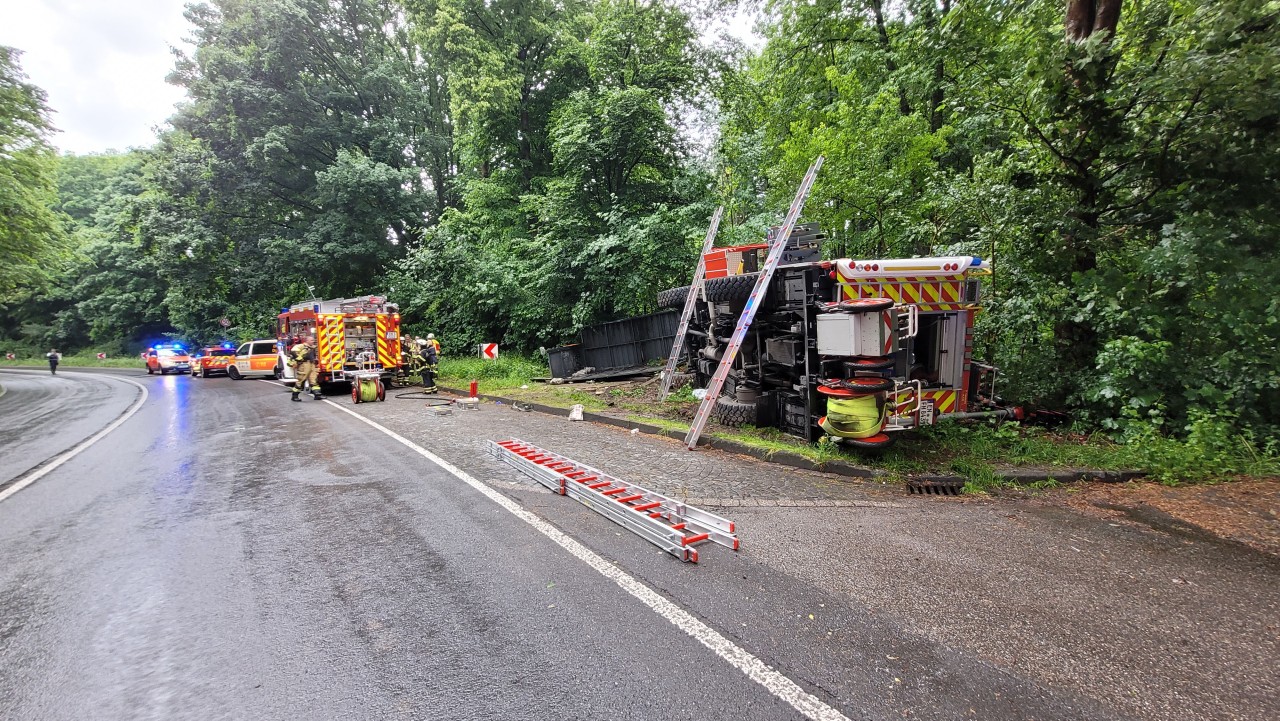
303 360
430 357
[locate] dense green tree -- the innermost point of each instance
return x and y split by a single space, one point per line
105 291
579 201
31 233
309 155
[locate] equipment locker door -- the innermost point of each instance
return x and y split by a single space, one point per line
951 350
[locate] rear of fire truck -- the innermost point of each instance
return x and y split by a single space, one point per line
854 350
352 335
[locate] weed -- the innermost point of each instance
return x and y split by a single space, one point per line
979 476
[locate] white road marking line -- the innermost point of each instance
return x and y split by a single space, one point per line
755 669
76 450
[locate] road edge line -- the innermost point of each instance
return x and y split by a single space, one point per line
24 481
776 683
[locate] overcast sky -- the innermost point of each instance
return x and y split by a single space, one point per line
102 63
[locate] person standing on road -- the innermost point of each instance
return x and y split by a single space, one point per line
303 360
54 356
431 352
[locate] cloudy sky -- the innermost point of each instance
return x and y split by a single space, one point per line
102 63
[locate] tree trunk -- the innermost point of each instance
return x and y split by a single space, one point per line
877 6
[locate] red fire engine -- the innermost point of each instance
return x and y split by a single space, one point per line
353 336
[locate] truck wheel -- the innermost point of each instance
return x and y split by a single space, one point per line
733 413
234 373
673 297
731 287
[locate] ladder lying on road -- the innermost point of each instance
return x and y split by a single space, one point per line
673 526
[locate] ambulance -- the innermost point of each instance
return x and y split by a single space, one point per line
353 336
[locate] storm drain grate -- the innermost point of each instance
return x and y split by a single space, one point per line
935 486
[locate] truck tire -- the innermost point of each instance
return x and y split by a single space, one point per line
733 413
731 287
673 297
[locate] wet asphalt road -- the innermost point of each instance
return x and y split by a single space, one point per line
228 554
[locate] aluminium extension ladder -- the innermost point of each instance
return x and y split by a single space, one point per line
690 300
671 525
753 304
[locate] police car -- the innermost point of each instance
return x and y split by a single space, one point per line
168 358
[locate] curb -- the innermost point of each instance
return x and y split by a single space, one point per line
1019 476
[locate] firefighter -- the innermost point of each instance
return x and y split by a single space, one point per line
431 354
302 358
416 359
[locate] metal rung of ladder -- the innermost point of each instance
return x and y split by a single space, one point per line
671 525
690 300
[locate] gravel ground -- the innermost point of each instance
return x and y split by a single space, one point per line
1148 622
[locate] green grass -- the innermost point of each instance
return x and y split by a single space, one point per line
83 360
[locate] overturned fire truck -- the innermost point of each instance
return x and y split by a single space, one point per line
854 350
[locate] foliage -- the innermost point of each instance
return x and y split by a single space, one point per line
304 161
31 234
1121 176
505 371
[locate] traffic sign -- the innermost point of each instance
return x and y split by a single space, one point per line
489 351
224 323
102 356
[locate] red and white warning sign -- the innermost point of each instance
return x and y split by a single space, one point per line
489 351
102 356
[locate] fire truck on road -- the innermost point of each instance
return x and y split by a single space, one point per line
354 336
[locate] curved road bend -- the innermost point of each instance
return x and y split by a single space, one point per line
228 554
43 415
